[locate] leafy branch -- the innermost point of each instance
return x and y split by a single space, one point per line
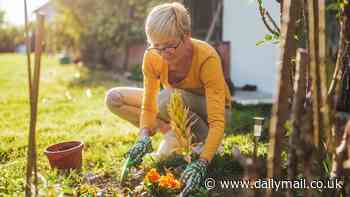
268 21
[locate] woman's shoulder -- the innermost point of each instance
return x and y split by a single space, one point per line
203 49
152 62
151 56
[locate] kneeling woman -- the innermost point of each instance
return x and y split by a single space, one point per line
193 67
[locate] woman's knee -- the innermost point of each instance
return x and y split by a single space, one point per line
114 99
163 101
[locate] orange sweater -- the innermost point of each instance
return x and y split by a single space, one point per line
205 77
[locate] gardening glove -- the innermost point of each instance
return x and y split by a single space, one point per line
139 149
193 176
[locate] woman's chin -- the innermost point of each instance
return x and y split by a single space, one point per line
169 59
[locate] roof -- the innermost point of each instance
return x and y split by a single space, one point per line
44 7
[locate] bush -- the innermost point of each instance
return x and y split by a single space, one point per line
10 37
101 30
136 73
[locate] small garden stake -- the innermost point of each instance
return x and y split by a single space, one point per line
33 99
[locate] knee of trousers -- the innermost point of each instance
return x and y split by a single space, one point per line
163 101
114 99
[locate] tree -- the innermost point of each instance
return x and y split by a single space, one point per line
280 110
2 17
101 29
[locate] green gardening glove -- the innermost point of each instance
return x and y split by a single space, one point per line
193 175
139 149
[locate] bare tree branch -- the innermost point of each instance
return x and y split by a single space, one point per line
342 50
298 112
272 21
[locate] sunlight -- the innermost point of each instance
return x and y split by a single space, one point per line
15 10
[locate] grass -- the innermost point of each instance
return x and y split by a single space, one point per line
71 107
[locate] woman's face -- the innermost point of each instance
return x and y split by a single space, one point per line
171 49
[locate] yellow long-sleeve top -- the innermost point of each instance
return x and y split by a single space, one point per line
205 77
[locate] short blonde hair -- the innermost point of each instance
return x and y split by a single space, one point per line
167 20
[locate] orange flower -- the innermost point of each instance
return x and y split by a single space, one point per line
169 181
152 176
164 182
175 184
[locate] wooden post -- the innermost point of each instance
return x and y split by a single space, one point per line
31 153
28 49
281 107
313 52
297 113
215 18
29 70
325 109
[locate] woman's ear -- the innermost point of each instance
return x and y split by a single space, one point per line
188 35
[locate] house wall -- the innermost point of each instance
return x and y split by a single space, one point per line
243 27
48 10
136 54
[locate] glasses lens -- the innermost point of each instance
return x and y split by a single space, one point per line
168 49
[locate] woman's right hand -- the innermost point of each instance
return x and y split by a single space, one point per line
139 149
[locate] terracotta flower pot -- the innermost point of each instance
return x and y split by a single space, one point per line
65 155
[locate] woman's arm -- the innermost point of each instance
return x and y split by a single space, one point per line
151 85
212 77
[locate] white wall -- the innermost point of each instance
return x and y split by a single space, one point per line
243 27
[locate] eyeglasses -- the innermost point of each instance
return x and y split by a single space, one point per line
170 49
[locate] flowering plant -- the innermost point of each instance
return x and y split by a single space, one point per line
161 185
181 122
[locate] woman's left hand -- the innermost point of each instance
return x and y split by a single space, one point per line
193 175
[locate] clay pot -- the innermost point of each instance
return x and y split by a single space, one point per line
65 155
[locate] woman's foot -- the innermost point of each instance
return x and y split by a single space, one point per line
167 146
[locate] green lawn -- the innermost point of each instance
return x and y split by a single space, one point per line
67 111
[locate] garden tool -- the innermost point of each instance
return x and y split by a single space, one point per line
125 169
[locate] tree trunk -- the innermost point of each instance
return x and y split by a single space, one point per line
327 123
342 89
297 114
342 137
313 51
281 107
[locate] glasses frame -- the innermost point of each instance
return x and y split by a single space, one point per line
161 50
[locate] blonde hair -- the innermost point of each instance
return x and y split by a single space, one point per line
167 20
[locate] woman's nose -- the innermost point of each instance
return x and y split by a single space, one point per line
167 54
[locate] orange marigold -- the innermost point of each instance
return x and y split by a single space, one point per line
169 181
175 184
152 176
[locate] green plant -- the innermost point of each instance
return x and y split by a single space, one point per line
337 6
275 39
136 73
181 123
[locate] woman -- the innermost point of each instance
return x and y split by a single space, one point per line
176 61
